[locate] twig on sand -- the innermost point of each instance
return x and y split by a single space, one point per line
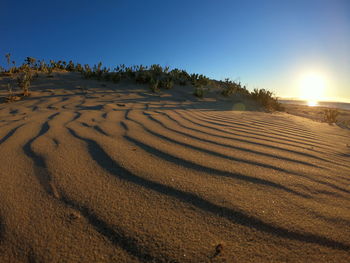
218 250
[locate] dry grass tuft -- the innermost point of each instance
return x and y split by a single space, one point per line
330 115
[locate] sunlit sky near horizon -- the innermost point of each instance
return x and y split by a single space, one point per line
281 45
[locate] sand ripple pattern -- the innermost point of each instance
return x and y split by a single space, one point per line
129 176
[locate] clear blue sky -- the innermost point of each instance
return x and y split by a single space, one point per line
265 44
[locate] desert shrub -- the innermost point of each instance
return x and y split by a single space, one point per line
57 65
229 87
199 80
156 70
115 77
193 79
121 68
129 73
182 82
166 69
14 64
143 77
266 99
8 59
228 90
97 71
154 85
175 75
179 76
53 64
203 80
86 72
330 115
60 65
30 61
161 83
107 77
199 91
78 68
42 66
24 82
70 66
168 83
156 76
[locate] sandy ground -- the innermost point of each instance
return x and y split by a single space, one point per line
103 172
316 113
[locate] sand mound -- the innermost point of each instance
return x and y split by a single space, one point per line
114 173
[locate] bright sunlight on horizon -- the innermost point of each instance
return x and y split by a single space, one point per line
312 87
264 45
175 131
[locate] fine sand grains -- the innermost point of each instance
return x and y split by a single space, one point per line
119 174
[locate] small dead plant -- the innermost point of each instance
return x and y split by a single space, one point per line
24 82
11 97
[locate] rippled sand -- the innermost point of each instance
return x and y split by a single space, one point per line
114 173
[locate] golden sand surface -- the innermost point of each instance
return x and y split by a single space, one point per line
115 173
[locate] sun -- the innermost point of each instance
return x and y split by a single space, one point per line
312 87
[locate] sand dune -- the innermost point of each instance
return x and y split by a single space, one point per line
115 173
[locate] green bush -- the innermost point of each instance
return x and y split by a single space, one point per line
154 85
166 83
156 70
266 99
143 77
129 73
169 84
78 68
87 73
155 76
115 77
199 91
70 66
229 89
179 76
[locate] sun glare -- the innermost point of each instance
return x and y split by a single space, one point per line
312 87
